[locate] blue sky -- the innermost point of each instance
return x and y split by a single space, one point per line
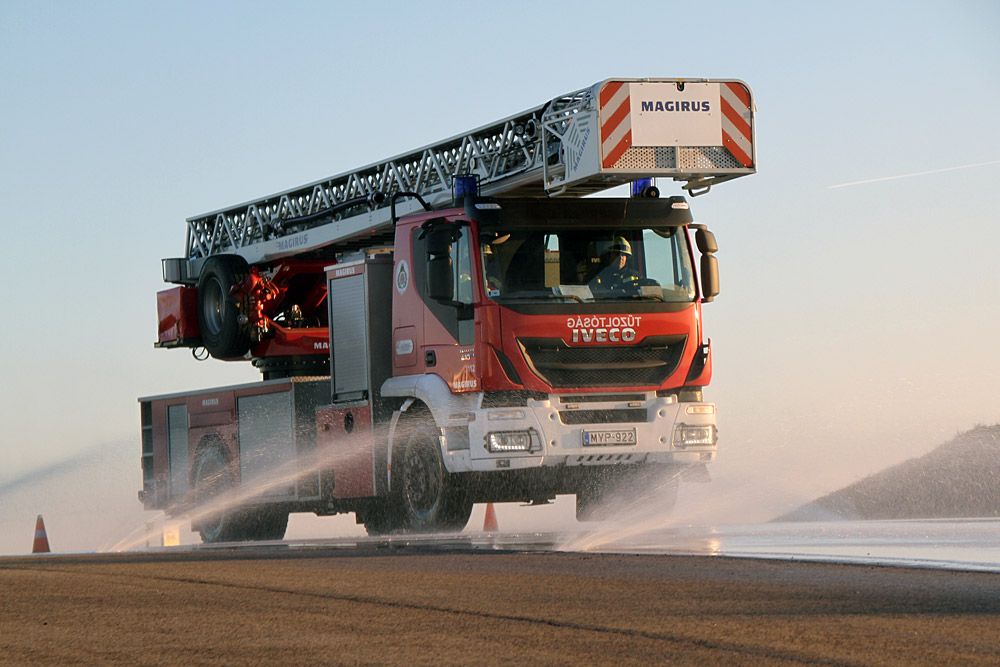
857 325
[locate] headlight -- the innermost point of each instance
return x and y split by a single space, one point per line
508 441
695 436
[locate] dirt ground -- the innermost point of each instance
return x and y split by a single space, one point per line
432 608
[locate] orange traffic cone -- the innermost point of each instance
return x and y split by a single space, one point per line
41 545
490 522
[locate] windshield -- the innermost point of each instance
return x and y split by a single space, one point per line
588 265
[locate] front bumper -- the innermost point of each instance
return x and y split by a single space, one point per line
666 431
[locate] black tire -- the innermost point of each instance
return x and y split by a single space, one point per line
636 490
212 478
221 320
262 523
430 500
595 501
382 517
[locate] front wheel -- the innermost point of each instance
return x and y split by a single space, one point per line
429 497
381 517
635 491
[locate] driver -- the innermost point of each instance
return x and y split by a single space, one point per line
616 270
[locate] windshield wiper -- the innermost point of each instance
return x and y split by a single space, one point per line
628 297
538 296
644 296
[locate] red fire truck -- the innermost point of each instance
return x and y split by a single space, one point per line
457 324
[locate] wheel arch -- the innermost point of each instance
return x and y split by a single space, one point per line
434 393
426 394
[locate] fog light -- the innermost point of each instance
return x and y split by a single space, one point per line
508 441
695 436
497 415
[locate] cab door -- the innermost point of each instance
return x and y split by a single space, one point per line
448 289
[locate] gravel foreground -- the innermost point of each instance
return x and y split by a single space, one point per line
285 607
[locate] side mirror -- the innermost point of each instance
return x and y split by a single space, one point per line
709 277
707 246
705 241
440 277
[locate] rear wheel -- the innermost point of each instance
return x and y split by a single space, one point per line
213 478
215 522
262 523
221 319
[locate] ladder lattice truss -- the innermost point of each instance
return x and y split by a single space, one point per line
522 154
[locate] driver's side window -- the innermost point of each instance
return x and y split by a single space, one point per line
463 268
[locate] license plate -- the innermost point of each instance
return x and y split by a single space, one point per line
620 436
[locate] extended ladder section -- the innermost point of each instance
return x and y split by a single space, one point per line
697 131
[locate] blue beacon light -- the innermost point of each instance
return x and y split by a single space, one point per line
641 187
464 186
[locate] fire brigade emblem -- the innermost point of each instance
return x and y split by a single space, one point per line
402 277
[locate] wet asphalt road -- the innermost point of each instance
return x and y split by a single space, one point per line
381 604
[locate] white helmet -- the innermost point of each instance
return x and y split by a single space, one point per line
621 245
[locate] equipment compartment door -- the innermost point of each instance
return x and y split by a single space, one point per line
267 444
345 434
177 448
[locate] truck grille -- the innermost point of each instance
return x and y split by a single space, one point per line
648 363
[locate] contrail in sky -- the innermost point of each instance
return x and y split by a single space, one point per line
918 173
